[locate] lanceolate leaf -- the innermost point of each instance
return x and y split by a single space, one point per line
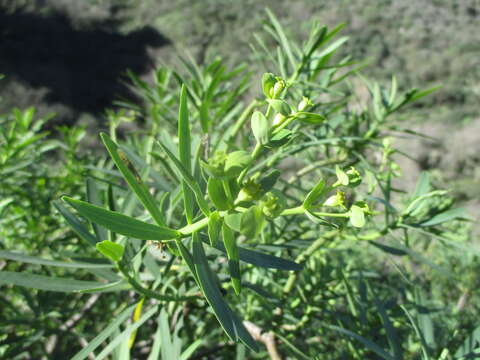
105 333
445 216
229 321
202 203
184 150
42 282
122 224
75 223
133 179
263 260
39 261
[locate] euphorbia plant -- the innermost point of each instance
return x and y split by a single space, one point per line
217 181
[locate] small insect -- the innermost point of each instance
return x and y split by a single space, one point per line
129 165
157 250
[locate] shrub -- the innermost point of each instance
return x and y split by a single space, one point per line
271 215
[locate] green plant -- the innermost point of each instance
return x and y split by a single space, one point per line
298 180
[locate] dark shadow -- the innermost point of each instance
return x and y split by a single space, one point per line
79 68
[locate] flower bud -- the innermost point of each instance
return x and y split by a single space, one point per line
354 177
305 104
273 203
278 88
278 119
336 200
250 191
268 82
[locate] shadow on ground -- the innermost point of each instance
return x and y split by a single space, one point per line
78 68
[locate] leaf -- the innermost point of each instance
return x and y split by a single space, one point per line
445 216
263 260
184 151
260 127
35 260
236 161
216 192
341 175
280 106
47 283
111 250
234 221
122 224
104 334
214 227
125 334
114 286
280 138
268 181
252 222
75 223
233 259
471 343
133 179
310 118
314 194
357 216
282 38
202 203
230 324
367 343
388 249
93 197
423 185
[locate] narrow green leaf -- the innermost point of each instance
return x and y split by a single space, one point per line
76 225
104 334
202 203
260 259
93 197
122 224
211 291
133 179
423 185
185 152
115 286
125 334
111 250
310 118
315 194
367 343
228 320
39 261
445 216
47 283
282 38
